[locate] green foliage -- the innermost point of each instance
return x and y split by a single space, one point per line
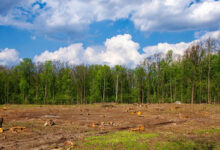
26 71
160 79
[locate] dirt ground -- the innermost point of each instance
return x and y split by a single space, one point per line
198 122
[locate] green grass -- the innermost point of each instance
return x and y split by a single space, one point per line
119 140
207 131
185 145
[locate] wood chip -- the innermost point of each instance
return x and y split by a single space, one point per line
17 129
139 113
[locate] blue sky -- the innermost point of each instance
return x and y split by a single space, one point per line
23 41
127 32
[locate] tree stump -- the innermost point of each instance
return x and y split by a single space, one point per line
1 122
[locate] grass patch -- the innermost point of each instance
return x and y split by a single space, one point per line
185 145
119 140
207 131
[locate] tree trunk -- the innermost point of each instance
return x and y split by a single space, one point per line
45 92
171 94
200 86
210 46
103 98
121 93
81 98
209 98
142 98
77 97
116 92
175 91
85 94
192 99
163 94
148 90
53 94
36 93
139 98
84 90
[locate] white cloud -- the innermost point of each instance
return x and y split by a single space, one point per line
8 57
117 50
179 48
214 35
121 50
72 54
75 16
163 48
173 15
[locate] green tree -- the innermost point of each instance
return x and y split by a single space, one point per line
26 71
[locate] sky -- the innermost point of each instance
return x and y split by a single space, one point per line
108 32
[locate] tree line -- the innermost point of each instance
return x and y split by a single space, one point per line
163 78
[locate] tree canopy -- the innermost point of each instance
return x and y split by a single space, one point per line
191 78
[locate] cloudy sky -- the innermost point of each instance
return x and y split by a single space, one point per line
102 31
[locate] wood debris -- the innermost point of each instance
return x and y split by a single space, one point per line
84 110
182 116
107 106
69 143
94 125
129 109
140 128
5 108
103 124
173 108
49 123
1 130
139 113
17 129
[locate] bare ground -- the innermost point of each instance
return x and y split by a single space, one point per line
74 123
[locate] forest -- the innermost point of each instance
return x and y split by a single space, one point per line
193 77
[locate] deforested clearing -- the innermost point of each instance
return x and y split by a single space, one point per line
111 126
